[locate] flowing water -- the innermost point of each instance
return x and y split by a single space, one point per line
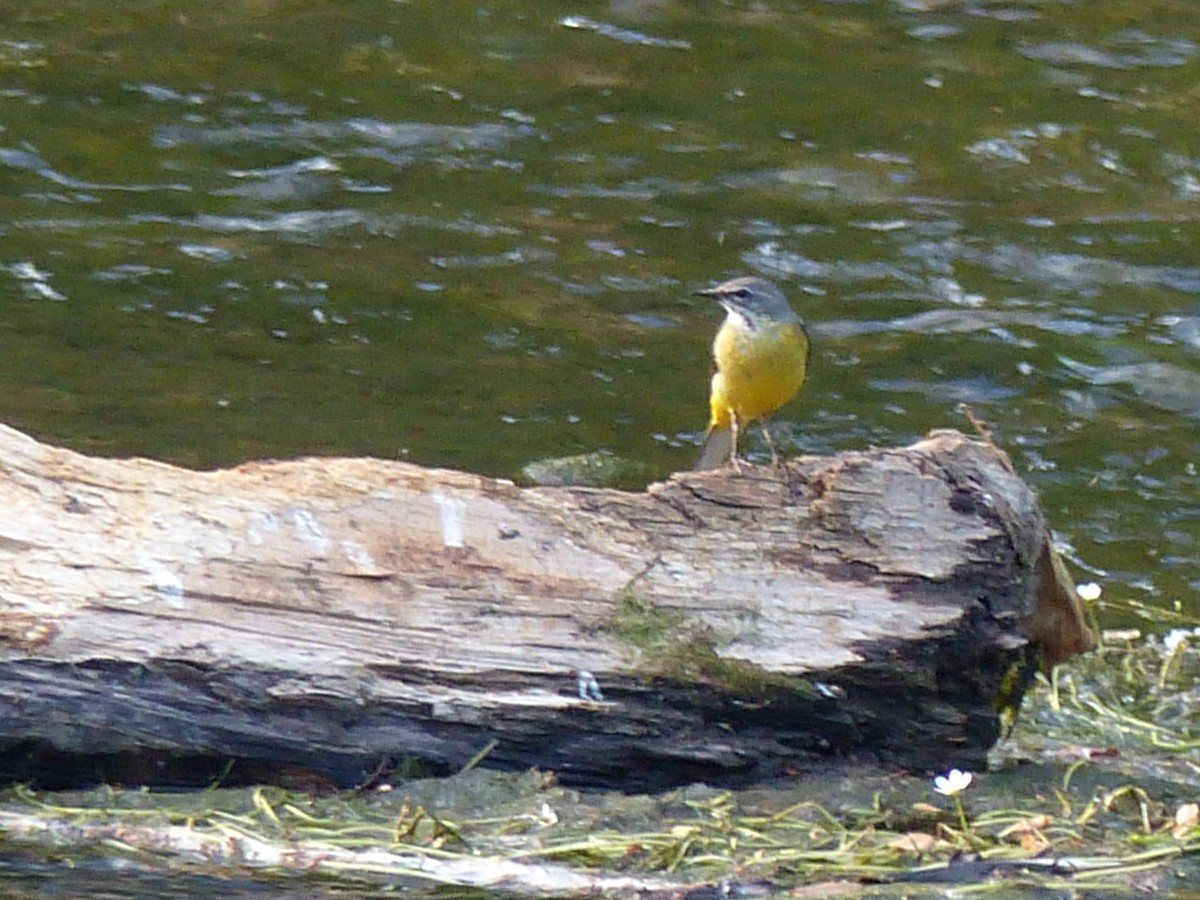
466 234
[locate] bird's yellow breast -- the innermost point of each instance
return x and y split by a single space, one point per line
758 370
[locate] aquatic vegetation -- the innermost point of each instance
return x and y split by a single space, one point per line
1094 788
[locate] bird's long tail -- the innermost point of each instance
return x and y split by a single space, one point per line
718 447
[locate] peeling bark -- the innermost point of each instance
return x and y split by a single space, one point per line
340 615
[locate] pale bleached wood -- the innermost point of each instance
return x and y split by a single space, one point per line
338 613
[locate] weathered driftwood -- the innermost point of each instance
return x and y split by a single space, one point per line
241 851
341 615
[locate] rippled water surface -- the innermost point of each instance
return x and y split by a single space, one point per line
466 234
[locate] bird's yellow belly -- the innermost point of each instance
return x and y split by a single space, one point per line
757 371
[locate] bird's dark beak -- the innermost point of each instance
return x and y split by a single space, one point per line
705 292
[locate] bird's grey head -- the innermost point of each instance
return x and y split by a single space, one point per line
754 299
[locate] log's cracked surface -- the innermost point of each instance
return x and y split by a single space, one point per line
343 614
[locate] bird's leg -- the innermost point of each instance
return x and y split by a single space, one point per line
770 443
733 434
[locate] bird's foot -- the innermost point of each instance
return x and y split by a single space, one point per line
775 461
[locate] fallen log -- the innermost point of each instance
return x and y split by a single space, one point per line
345 616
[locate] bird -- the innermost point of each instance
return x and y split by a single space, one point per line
760 356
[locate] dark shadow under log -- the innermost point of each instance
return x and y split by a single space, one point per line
341 616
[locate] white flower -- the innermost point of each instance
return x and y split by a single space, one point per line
1088 591
1173 638
953 782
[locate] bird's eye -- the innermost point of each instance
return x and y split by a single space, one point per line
742 294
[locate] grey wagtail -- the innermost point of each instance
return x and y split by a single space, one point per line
761 355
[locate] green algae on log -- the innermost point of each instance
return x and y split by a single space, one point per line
345 615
